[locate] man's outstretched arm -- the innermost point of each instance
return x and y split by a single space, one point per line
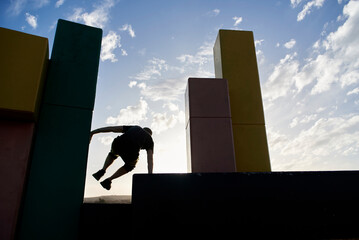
150 160
116 129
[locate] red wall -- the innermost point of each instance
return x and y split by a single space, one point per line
15 146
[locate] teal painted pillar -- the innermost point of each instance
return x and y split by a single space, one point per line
55 187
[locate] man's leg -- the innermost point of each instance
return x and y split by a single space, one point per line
109 160
107 182
121 171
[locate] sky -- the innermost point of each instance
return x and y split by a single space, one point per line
308 60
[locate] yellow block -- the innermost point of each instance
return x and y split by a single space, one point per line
251 149
235 60
23 65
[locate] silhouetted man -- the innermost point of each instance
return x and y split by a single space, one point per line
127 146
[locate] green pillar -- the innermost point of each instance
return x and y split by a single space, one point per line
56 180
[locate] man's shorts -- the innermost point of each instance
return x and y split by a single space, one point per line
124 149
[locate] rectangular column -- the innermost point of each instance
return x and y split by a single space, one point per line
57 175
23 65
209 127
74 65
235 60
56 181
15 146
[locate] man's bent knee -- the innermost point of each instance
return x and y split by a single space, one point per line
129 167
112 155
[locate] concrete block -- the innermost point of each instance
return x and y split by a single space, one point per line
102 221
251 148
15 146
211 145
207 97
74 65
235 60
280 205
23 65
56 181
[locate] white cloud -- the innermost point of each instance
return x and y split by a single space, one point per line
325 137
59 3
260 57
340 60
213 13
161 122
290 44
308 7
154 68
281 80
132 84
216 12
294 122
40 3
97 18
141 85
305 119
336 137
335 61
354 91
258 42
16 6
203 55
128 27
276 140
123 52
109 43
166 90
171 106
294 3
31 20
130 115
237 20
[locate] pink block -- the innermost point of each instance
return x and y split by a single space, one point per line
210 145
207 97
15 147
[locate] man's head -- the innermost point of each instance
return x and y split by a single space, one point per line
149 131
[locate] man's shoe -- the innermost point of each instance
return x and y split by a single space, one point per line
106 184
99 174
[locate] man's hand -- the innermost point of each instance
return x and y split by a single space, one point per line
150 161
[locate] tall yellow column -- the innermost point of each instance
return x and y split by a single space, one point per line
23 66
235 60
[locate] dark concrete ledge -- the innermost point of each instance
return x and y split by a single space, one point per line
307 205
106 221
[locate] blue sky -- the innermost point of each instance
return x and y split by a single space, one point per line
307 53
